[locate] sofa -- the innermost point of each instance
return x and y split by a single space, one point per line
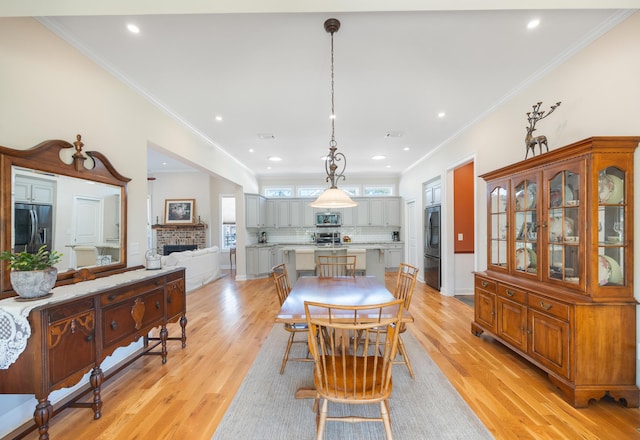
202 265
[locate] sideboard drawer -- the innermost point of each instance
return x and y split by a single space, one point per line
486 284
510 292
130 318
123 293
543 304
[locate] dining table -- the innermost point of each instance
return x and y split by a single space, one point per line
343 290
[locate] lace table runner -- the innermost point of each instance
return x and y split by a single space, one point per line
15 329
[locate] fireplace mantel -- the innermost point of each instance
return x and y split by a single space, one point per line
181 226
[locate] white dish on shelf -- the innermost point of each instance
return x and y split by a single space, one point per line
609 271
555 228
525 258
610 189
555 198
529 195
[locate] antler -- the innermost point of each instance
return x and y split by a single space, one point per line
536 115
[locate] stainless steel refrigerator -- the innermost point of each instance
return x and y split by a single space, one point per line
432 269
33 227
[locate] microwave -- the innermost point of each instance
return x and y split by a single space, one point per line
328 219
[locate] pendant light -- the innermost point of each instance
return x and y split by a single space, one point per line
335 163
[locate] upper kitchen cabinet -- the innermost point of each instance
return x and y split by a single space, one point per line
378 211
256 212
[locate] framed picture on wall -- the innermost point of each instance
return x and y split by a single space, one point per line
179 211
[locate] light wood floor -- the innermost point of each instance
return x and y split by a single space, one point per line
228 322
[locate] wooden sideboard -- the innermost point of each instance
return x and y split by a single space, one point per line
558 288
72 337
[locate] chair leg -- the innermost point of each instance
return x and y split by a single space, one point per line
286 352
405 356
324 412
384 412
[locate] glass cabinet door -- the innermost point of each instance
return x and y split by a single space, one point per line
612 240
563 226
498 227
525 231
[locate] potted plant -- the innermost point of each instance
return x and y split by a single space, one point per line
32 275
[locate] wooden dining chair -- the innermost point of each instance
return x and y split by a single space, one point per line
349 369
283 287
336 265
405 283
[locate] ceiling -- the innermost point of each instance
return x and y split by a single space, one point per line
268 76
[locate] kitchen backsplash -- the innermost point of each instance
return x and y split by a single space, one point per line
304 235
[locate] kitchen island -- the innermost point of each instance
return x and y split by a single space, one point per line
261 257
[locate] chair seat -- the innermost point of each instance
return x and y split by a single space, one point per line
339 385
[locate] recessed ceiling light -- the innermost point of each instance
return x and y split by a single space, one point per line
407 148
133 28
442 114
379 157
533 23
275 159
218 118
388 166
164 164
268 168
251 150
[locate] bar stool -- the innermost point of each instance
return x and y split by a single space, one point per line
232 253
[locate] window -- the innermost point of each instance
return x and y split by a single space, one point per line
310 191
278 192
228 214
353 191
380 190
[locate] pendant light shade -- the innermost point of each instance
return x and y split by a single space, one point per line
335 163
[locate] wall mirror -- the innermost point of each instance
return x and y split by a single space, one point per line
72 201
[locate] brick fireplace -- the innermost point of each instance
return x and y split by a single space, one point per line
179 237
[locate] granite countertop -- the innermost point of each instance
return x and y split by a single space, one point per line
364 245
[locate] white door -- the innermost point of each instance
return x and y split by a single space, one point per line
412 234
87 221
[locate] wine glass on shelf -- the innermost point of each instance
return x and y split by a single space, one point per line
618 229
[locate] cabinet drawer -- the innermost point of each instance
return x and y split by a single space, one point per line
175 298
485 284
132 317
130 291
512 293
558 309
65 311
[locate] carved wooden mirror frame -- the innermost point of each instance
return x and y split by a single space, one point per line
51 157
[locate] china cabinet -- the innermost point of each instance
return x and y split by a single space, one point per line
558 288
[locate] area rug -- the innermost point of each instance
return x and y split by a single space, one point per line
427 407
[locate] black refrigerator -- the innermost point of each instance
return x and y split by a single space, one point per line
33 227
432 270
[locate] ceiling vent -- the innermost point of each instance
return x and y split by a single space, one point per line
266 136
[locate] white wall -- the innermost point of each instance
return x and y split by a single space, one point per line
600 92
49 90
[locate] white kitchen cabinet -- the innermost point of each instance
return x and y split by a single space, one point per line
270 214
252 261
29 190
362 213
432 195
256 211
392 212
265 259
393 256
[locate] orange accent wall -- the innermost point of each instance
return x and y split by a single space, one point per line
463 209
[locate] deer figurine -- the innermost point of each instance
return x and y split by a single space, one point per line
533 117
